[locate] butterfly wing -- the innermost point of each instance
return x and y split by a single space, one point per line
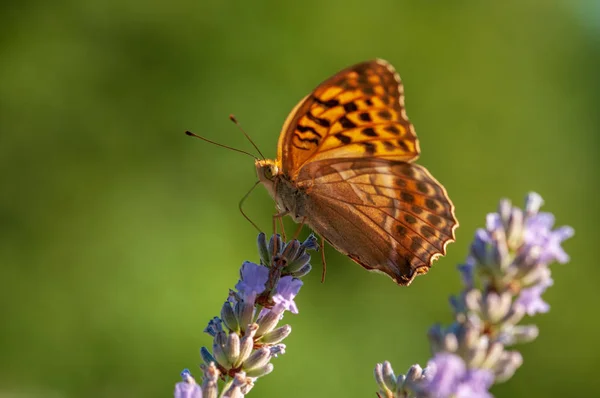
386 215
358 112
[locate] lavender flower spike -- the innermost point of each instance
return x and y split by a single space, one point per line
504 277
246 336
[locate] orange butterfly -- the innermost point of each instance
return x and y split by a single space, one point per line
344 167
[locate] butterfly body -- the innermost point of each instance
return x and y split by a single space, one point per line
345 167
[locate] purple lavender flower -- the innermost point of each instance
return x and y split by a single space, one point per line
287 288
504 277
246 336
253 280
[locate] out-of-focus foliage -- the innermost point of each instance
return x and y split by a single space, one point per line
119 236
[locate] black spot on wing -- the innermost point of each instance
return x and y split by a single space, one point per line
320 121
347 123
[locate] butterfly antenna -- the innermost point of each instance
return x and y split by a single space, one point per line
240 205
235 121
221 145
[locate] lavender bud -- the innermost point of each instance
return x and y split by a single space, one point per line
267 321
476 355
533 202
219 349
262 371
507 366
232 347
450 342
233 388
210 379
291 250
239 386
302 271
536 275
382 380
504 210
263 250
415 373
297 263
494 354
214 326
436 337
521 334
259 358
472 300
277 335
228 317
470 337
514 232
275 245
245 313
246 345
388 376
207 357
514 316
496 306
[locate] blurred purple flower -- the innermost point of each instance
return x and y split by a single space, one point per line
504 277
539 233
448 376
531 298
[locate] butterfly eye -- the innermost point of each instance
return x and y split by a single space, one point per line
269 174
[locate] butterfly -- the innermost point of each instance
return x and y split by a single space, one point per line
345 167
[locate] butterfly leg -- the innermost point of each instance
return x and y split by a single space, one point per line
299 229
323 259
282 229
278 216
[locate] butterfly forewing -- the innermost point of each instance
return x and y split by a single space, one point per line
359 112
389 216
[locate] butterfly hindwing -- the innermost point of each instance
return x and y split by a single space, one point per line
397 216
359 112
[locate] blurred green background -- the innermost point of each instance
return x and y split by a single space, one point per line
119 235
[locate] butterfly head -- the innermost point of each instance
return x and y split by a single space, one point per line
267 171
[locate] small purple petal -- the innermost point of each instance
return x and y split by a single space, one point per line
188 387
310 243
479 247
277 349
475 384
287 288
253 279
447 375
445 371
539 233
467 274
531 299
493 222
214 326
